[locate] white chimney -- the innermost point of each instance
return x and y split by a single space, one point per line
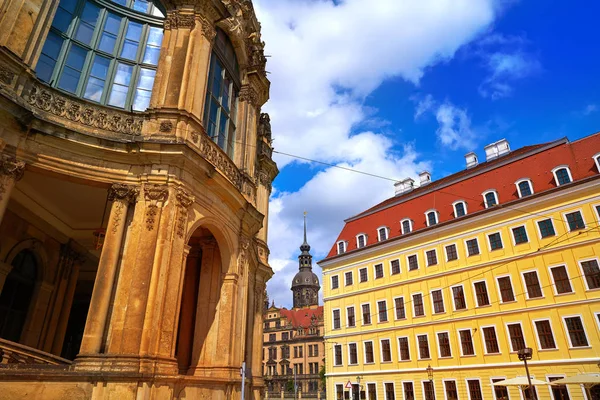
405 185
496 149
425 178
471 159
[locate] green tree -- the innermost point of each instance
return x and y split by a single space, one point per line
289 386
322 376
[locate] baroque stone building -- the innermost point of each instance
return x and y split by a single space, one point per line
135 173
293 344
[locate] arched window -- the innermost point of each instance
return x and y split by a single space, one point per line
361 240
406 225
460 208
16 295
431 217
382 233
220 109
562 175
341 247
104 52
524 187
490 198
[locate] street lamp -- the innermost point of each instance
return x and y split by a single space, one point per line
524 355
429 372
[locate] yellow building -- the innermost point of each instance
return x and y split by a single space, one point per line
457 275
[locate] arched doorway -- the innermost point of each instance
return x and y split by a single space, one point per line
199 298
16 295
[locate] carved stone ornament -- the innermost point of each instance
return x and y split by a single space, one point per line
249 95
195 136
243 254
165 126
264 126
6 76
214 155
10 169
119 191
179 20
208 28
46 99
154 194
184 201
256 53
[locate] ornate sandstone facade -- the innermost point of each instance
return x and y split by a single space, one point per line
135 173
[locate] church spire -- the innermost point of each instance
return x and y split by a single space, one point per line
305 284
305 247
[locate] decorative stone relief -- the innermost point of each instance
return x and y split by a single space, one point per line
256 53
165 126
243 254
153 194
184 201
6 76
264 126
210 151
208 29
179 20
120 191
249 95
10 170
195 136
75 110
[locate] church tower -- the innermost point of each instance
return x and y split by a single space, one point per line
305 284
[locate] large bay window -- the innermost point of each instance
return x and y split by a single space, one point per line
103 51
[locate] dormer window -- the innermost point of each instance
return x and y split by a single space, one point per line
460 208
490 198
341 247
562 175
361 240
382 233
597 161
524 187
431 217
406 225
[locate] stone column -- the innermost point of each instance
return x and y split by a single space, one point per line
93 336
63 318
11 171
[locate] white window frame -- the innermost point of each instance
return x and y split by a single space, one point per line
346 280
512 234
443 301
539 231
561 167
365 240
579 262
489 243
410 223
359 270
587 336
413 387
509 339
464 295
485 351
548 376
596 314
519 189
394 386
437 216
480 387
367 388
375 271
567 227
596 158
525 284
458 331
399 267
423 387
343 388
387 311
509 276
446 253
349 358
341 353
333 318
361 314
500 378
365 352
454 208
537 334
408 262
467 247
400 352
550 267
344 245
426 259
412 300
387 233
381 351
439 347
444 380
347 324
475 293
331 282
419 349
485 204
395 310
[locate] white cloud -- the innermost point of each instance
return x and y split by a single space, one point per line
423 105
325 59
590 109
455 129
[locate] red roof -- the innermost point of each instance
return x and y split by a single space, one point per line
301 317
533 162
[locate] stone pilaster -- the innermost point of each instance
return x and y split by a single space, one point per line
94 335
11 171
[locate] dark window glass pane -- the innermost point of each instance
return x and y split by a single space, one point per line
481 294
592 273
575 221
118 95
506 290
491 342
141 5
47 61
87 23
132 39
444 342
108 39
438 301
545 334
378 271
382 311
472 247
474 390
459 209
400 310
561 280
563 176
431 257
395 267
520 235
386 353
576 332
404 349
412 263
369 352
366 314
363 274
418 305
334 282
490 199
525 188
533 285
451 253
64 15
495 241
72 70
459 298
423 346
466 342
96 82
405 226
431 218
152 52
451 392
546 228
517 340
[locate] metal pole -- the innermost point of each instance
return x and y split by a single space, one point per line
531 392
243 378
295 384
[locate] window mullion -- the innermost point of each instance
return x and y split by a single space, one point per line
110 76
132 88
83 78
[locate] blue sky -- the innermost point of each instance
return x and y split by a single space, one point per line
401 86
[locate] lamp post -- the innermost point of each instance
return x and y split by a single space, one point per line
429 373
358 378
524 355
